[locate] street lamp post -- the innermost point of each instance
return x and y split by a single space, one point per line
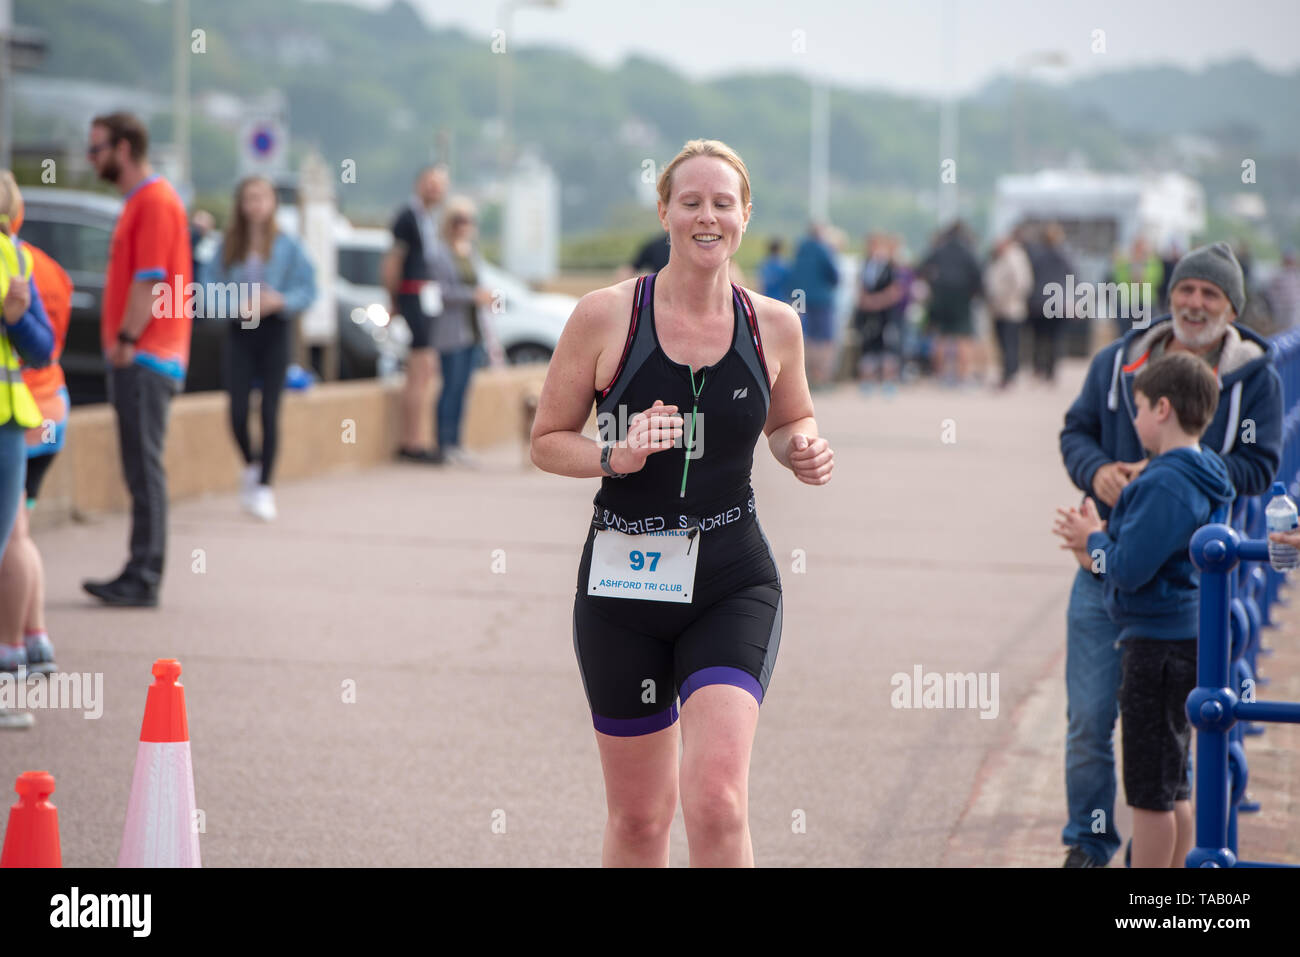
505 89
1024 64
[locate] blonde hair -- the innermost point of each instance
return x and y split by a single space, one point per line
714 148
456 207
11 200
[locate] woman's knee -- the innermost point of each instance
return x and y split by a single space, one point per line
714 804
641 821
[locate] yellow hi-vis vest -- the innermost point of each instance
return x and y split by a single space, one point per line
16 400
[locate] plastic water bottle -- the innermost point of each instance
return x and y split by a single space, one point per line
1282 517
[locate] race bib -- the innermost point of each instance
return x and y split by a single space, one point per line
431 299
654 566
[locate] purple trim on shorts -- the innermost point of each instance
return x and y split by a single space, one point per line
632 727
721 675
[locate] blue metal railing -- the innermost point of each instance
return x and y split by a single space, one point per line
1237 595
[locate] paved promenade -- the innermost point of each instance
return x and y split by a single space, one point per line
440 600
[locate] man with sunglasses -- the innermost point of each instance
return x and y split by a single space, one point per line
146 341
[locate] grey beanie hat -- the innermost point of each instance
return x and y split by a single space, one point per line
1215 263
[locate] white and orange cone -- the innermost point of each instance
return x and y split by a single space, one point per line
160 815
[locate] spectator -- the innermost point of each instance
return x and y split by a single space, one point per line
953 276
44 441
878 316
255 255
1143 267
26 337
202 225
146 339
1283 293
651 257
1008 282
1051 267
1150 593
460 331
813 279
1103 454
774 273
407 274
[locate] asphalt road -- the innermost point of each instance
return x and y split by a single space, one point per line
469 712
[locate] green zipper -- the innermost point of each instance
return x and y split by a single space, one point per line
690 439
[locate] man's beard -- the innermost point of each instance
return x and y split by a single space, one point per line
1202 336
110 172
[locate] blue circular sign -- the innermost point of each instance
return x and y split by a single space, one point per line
263 140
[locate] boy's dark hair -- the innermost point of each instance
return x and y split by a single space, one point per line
1189 385
125 126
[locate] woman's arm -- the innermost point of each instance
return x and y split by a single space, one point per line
791 427
300 279
32 335
557 443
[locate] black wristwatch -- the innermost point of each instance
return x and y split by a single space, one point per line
127 339
606 467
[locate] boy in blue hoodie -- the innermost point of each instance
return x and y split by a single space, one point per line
1103 454
1151 593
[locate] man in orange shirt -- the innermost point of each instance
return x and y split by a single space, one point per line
146 338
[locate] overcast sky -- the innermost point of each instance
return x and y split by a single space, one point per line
899 44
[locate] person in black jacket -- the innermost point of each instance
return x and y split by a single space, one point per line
1048 259
953 274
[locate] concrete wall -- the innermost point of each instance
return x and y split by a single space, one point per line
331 426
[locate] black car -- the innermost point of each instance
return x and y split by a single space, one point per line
74 228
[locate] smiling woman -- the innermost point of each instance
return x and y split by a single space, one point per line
677 592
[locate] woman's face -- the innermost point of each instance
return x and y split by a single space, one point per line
464 228
258 202
704 219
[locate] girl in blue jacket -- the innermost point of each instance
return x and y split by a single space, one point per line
257 257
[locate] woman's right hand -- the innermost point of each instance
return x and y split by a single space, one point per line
483 296
1285 538
657 428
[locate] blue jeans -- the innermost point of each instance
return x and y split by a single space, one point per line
457 366
13 477
1092 679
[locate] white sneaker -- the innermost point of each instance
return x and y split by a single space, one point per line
455 455
262 503
248 480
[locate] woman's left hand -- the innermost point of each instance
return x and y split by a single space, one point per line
811 460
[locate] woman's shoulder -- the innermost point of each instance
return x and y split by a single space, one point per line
606 306
777 320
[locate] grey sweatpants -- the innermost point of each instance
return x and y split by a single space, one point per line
141 398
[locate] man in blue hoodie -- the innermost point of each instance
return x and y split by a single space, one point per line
1151 593
812 282
1103 454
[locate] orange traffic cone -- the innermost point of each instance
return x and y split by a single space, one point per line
160 815
32 839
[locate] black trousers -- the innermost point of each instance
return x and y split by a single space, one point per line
261 352
1047 344
141 398
1009 342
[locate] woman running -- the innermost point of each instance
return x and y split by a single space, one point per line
678 591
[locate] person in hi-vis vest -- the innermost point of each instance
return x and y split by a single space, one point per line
44 441
25 338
